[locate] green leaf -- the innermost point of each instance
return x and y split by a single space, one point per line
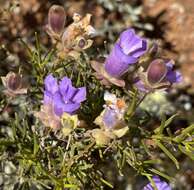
184 151
160 174
36 145
168 153
164 124
184 134
106 183
132 106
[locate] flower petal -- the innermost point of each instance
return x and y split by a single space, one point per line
110 118
66 89
132 44
161 185
174 77
80 95
51 84
48 97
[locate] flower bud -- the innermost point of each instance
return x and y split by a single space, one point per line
56 19
157 71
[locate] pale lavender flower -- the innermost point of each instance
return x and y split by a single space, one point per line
63 96
161 185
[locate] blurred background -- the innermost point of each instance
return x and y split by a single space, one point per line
170 22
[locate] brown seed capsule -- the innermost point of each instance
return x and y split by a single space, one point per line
56 18
82 42
14 84
157 71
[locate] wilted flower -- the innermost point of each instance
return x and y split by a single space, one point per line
102 137
161 185
63 96
126 51
111 120
75 37
159 75
14 84
56 21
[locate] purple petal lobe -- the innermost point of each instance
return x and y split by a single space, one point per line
48 97
161 185
51 84
174 77
80 95
132 44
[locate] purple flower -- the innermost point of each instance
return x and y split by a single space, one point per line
125 52
161 185
63 96
159 75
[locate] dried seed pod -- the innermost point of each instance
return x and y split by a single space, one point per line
157 71
14 84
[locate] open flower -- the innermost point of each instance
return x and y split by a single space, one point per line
161 185
60 103
14 84
159 75
126 51
63 96
111 120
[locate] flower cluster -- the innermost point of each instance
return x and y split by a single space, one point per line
129 51
126 52
73 147
72 39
